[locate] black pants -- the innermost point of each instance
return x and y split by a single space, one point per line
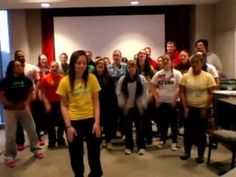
150 114
134 116
168 116
38 113
195 127
107 119
55 119
76 150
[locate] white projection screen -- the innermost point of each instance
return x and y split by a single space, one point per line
104 34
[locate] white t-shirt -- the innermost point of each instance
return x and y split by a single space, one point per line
167 82
32 72
211 69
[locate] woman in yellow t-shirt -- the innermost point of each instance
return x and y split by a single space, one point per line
79 93
196 92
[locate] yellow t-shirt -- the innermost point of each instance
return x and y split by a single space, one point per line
196 87
80 99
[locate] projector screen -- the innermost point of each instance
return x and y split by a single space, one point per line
104 34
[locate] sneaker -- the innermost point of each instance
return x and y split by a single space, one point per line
141 151
199 160
128 152
20 147
51 145
10 163
109 146
41 143
38 155
160 145
174 147
61 143
185 156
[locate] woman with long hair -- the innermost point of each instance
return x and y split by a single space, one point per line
108 101
15 94
79 91
131 93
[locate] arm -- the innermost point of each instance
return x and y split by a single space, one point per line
45 100
178 76
183 96
71 132
184 100
4 100
155 94
96 106
176 96
209 96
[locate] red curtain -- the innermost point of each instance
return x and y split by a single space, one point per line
48 35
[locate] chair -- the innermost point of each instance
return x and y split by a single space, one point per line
228 138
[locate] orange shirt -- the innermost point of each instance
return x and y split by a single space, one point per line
49 84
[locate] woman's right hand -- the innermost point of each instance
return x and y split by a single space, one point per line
71 133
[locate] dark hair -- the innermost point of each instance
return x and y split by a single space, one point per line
204 41
105 72
16 53
149 48
147 66
10 68
171 42
74 57
63 53
39 58
104 77
139 86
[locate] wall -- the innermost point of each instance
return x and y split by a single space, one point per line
215 22
204 24
25 33
225 35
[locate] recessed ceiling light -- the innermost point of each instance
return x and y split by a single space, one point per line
45 5
134 3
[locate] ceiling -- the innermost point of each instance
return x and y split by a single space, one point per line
27 4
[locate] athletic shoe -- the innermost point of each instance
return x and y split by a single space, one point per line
10 163
173 147
20 147
128 152
141 151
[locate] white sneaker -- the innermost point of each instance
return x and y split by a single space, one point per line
174 147
109 146
141 151
128 152
161 145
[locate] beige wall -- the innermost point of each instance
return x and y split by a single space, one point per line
25 33
204 23
225 35
215 22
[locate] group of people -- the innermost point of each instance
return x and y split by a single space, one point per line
86 99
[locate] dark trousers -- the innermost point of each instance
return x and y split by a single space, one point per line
55 119
20 138
107 119
195 127
76 149
168 116
150 114
134 116
38 113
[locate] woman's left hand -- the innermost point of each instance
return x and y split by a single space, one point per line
96 130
